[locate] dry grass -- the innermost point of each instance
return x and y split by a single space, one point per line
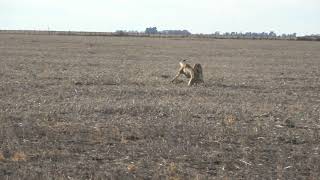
75 107
19 156
2 158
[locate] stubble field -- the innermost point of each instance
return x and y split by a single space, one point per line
82 107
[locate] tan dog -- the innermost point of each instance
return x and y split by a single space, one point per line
194 73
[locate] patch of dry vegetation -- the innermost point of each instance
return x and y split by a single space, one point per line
75 107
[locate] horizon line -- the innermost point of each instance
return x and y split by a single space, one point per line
137 31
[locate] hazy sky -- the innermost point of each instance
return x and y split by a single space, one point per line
200 16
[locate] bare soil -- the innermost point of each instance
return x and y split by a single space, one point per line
82 107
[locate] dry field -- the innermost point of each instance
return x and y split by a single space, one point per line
81 107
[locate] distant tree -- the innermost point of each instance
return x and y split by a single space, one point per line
176 32
151 30
186 32
121 33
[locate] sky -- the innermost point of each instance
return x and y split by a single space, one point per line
200 16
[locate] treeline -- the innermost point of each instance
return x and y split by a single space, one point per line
167 34
309 38
85 33
74 33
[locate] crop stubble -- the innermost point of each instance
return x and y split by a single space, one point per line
102 107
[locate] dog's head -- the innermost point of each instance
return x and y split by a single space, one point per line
183 62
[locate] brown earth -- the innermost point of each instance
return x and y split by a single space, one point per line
82 107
